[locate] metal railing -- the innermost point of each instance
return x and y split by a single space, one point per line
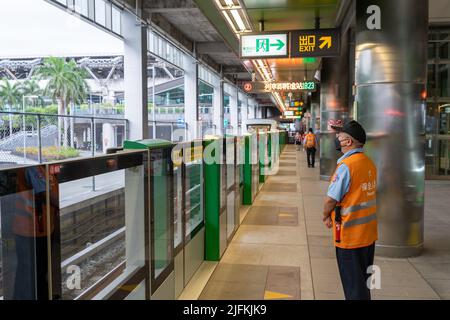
31 138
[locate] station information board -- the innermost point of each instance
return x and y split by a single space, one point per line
264 86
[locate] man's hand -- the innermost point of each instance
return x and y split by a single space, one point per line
328 207
328 222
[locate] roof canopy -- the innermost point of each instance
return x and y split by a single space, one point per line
36 28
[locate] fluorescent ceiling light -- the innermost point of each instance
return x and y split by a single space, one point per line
227 17
238 20
229 3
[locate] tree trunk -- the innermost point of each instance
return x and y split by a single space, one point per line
10 121
72 129
60 119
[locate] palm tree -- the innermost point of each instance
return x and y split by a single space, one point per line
10 95
32 88
66 84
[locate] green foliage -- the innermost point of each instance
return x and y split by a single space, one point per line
10 94
51 153
66 81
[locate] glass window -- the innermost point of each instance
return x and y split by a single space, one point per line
23 233
161 204
444 80
100 12
205 105
178 207
194 189
81 6
116 20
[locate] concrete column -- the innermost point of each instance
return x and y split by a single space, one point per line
244 111
108 137
218 107
135 74
191 97
391 73
234 108
251 109
334 105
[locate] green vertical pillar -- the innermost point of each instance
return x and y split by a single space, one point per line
212 201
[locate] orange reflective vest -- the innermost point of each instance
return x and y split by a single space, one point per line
30 215
358 207
310 140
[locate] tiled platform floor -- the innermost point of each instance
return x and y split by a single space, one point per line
283 251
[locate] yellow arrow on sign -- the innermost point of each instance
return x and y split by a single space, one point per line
269 295
326 42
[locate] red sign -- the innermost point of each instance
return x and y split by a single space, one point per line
248 87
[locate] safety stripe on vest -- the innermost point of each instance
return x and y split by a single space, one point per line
358 207
359 221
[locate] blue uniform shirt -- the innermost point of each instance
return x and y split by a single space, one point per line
340 182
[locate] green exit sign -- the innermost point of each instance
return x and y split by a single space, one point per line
264 45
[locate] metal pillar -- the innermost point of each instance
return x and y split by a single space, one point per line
191 97
391 82
334 105
135 74
218 106
234 109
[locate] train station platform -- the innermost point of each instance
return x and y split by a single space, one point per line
282 250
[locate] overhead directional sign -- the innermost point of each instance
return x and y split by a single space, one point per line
264 45
289 113
315 43
263 86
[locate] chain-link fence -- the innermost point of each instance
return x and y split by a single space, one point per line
30 138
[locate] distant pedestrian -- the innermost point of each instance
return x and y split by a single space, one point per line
298 140
310 144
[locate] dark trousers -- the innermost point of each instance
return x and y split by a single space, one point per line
32 267
353 264
311 156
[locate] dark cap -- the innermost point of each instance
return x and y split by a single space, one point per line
354 129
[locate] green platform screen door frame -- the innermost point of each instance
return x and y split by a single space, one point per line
215 198
161 215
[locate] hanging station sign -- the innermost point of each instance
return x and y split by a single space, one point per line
264 86
295 44
315 43
264 45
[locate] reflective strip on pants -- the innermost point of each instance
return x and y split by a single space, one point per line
360 221
358 207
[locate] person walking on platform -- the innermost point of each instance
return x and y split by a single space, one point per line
310 143
298 140
350 209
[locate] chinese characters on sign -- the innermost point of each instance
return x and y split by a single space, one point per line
283 86
307 43
262 86
315 43
264 45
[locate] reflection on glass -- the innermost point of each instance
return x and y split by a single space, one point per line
23 232
230 162
92 209
160 188
194 198
230 213
178 192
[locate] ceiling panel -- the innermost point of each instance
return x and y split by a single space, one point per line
284 15
291 14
